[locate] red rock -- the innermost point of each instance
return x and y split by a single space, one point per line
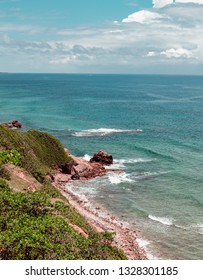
102 157
13 124
81 169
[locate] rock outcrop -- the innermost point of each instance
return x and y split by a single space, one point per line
81 169
13 124
103 158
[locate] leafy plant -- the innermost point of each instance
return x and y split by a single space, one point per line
11 156
34 228
3 183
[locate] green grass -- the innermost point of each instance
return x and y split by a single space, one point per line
10 156
35 151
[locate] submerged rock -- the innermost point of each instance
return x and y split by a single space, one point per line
102 157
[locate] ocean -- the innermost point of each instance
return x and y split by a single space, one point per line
153 127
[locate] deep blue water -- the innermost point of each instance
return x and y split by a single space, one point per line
161 189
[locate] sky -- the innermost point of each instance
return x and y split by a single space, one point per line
102 36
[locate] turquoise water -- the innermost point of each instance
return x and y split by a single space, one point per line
161 189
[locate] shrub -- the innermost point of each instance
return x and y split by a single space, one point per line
3 183
10 156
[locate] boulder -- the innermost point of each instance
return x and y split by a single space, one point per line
85 170
103 158
81 169
13 124
75 176
67 168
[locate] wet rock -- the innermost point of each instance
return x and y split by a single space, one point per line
102 157
75 176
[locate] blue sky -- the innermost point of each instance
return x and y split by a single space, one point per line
102 36
63 13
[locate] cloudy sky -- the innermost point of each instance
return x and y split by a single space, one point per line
102 36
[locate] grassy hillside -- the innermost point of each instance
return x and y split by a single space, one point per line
37 151
41 224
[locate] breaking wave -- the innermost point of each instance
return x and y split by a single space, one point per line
87 157
119 178
131 160
120 163
199 228
162 220
102 132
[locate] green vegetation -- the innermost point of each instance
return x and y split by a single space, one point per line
39 224
34 228
3 183
10 156
35 151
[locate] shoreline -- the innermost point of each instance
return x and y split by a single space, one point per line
101 221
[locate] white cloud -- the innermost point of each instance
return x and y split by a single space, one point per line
161 3
153 40
151 54
190 1
63 60
143 16
177 53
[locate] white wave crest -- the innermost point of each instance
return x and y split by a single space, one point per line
145 244
131 160
120 163
87 157
199 228
182 227
116 166
102 132
119 178
162 220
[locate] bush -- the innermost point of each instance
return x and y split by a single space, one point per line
3 183
10 156
33 228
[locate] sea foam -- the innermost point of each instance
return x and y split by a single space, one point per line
131 160
119 178
199 228
120 163
102 132
87 157
162 220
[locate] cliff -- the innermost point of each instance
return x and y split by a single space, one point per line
36 220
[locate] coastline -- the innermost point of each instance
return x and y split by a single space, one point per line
101 221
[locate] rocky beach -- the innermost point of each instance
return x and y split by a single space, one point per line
125 238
